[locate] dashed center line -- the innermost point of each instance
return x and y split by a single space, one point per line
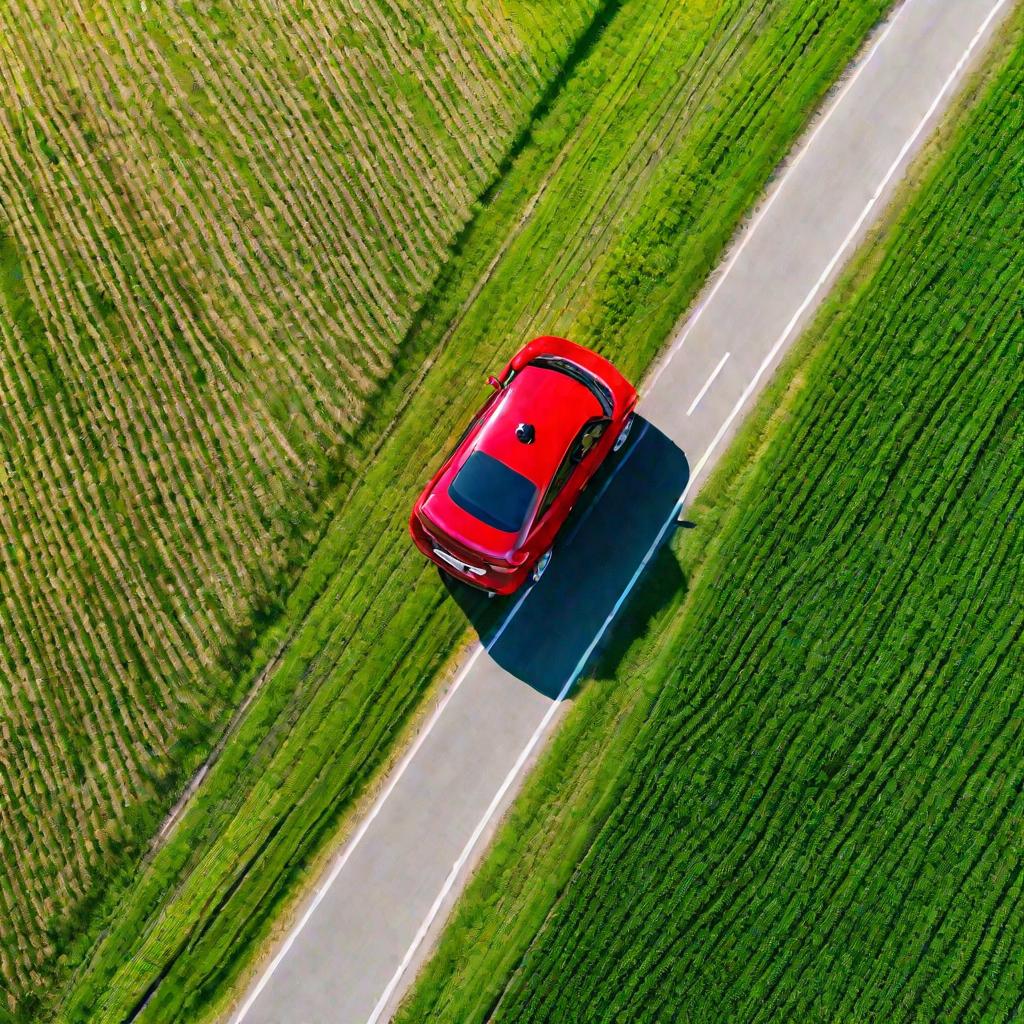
707 384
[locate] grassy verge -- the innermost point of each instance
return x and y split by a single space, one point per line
812 813
604 227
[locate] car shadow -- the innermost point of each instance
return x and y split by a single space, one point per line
619 527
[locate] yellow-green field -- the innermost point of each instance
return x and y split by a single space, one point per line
217 224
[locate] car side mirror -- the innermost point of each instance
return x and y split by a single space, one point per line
494 382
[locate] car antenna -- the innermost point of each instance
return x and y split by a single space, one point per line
525 433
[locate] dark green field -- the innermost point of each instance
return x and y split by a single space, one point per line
813 804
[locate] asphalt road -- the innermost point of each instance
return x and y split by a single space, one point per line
374 915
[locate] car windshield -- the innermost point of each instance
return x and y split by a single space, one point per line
494 493
596 387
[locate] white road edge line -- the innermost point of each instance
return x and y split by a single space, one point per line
707 384
511 777
378 804
847 241
677 508
357 837
524 755
770 201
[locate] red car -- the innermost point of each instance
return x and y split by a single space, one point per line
490 514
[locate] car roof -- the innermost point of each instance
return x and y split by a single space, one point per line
555 405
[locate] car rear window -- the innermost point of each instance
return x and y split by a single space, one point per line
494 493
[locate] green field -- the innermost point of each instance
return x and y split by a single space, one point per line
217 226
799 795
664 128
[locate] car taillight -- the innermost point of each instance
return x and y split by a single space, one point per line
501 568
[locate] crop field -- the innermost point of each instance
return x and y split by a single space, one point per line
816 811
216 228
668 122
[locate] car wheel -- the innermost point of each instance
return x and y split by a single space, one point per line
624 433
540 565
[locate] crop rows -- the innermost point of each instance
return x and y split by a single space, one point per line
821 819
215 229
604 227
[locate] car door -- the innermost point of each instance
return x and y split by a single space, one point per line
586 448
572 475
